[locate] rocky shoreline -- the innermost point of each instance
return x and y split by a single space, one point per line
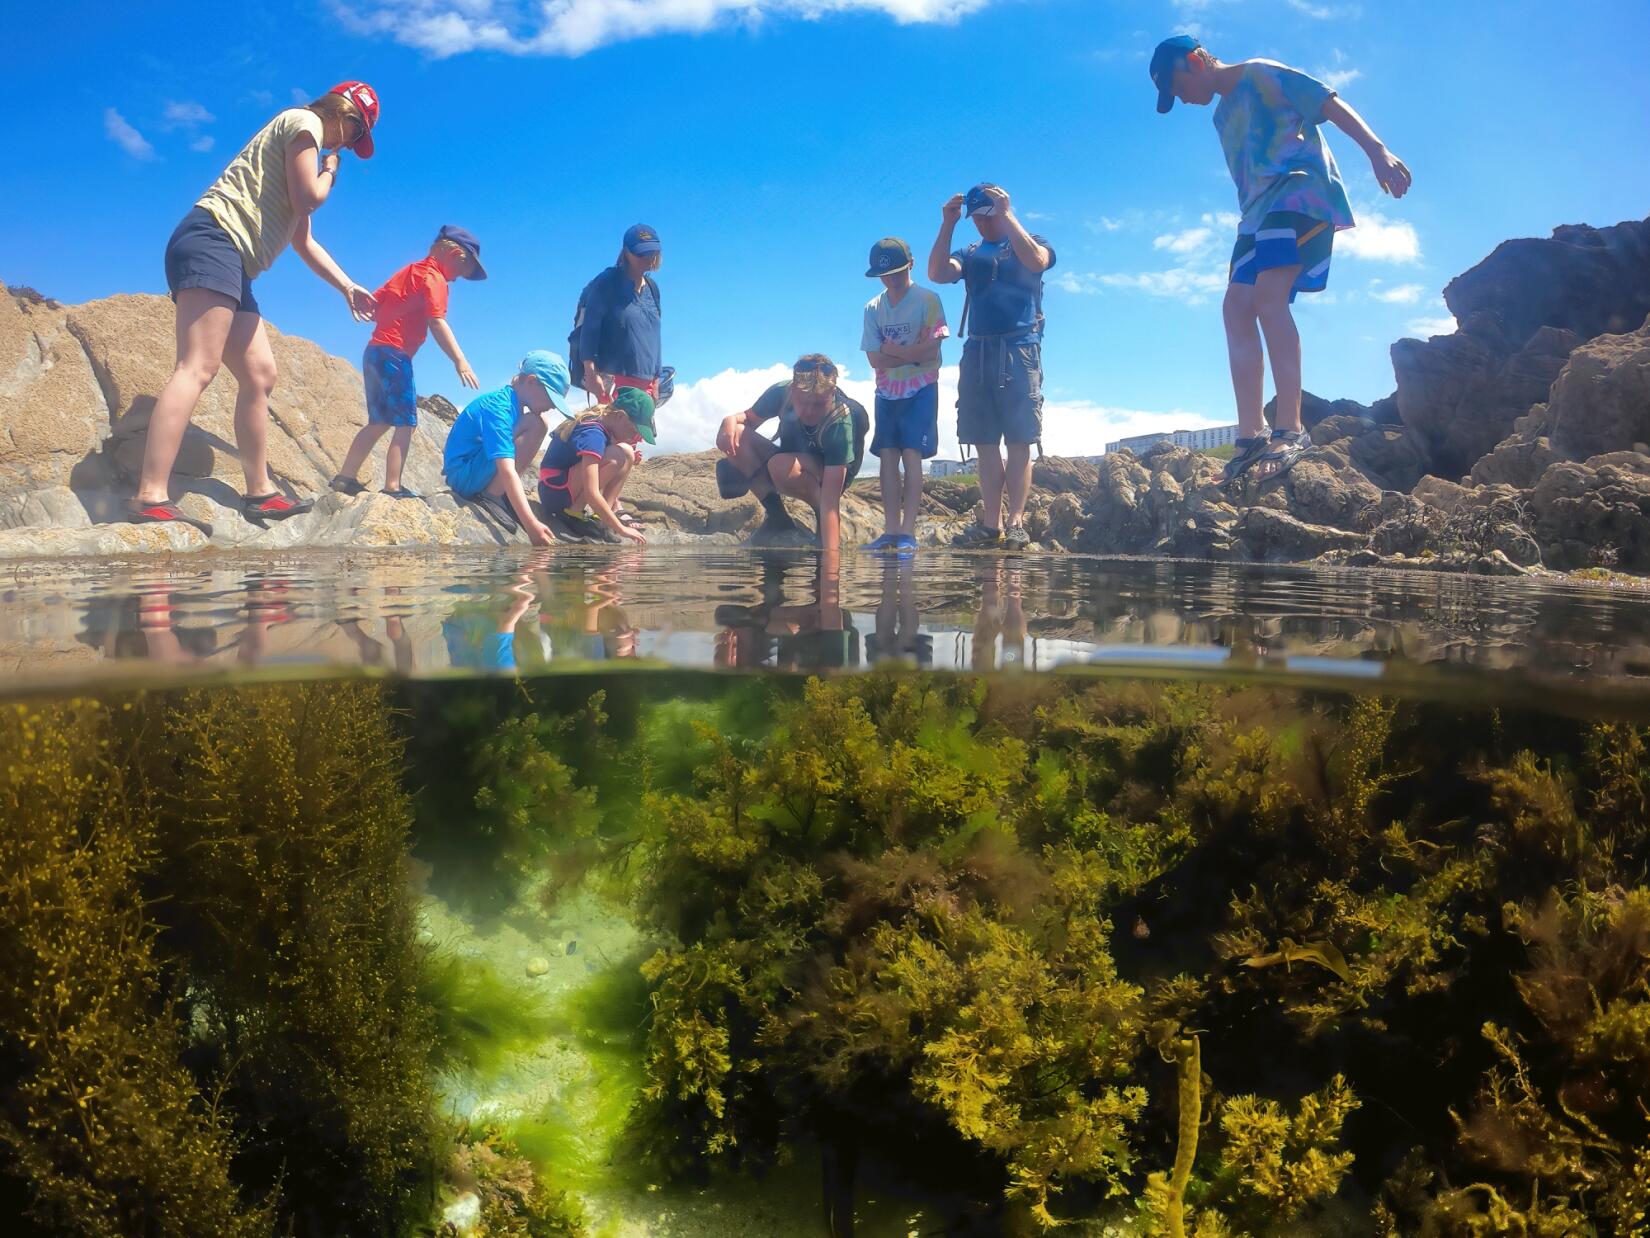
1519 444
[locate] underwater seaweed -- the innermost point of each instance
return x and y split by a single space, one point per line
98 1117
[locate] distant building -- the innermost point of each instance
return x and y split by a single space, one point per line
953 468
1197 440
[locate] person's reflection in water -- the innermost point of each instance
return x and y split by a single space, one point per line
898 634
814 635
371 650
157 632
483 637
1002 614
589 623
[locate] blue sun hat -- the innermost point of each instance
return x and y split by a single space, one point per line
551 371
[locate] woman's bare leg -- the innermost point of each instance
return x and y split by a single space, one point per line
204 320
251 360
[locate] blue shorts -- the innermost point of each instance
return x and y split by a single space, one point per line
911 424
554 499
469 476
392 400
1286 239
201 255
1000 391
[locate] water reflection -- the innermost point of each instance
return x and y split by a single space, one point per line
518 611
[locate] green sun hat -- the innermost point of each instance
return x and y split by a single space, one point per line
637 405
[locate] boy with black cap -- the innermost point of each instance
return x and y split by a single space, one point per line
1000 383
411 304
904 325
1293 203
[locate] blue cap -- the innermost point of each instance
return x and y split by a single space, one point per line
979 202
551 371
466 238
888 256
641 240
1165 60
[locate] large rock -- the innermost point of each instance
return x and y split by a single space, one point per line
1601 402
1595 512
1586 281
1277 537
1461 394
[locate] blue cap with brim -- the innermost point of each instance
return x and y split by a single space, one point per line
1165 60
551 371
466 239
978 201
641 240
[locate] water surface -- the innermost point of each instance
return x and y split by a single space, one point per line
419 613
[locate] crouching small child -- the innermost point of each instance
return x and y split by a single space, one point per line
411 304
586 465
494 439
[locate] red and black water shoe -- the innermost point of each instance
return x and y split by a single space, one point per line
262 508
139 512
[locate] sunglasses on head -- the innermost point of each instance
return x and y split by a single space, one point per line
814 367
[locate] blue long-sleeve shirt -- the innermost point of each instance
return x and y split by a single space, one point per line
620 332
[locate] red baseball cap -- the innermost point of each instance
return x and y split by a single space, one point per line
365 99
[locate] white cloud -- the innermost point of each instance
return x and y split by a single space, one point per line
1104 224
1403 294
124 136
1425 328
203 144
1379 239
186 114
573 27
1190 241
1070 427
1187 284
300 96
1075 281
1340 76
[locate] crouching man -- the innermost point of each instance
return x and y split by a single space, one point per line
820 446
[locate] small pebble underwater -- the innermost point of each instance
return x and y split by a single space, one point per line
888 950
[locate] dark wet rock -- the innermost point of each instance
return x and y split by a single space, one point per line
1585 280
1315 410
1320 493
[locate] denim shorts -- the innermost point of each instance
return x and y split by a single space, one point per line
1286 239
392 400
911 424
201 255
1000 391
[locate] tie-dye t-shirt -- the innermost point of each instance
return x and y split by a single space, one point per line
1268 126
917 319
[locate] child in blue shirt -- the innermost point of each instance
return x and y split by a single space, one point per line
495 436
586 465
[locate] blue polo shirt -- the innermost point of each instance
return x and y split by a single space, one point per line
1005 297
620 332
481 435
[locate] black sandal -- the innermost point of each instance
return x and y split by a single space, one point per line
1247 454
1286 449
400 492
346 485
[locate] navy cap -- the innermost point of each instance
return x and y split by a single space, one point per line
1165 60
889 256
641 240
978 202
466 238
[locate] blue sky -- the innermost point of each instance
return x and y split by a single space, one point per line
771 141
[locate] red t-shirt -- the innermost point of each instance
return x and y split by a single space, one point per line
406 303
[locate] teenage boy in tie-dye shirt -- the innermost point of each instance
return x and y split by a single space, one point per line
1293 203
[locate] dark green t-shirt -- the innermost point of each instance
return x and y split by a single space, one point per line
839 439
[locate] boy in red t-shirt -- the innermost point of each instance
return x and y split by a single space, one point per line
412 302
